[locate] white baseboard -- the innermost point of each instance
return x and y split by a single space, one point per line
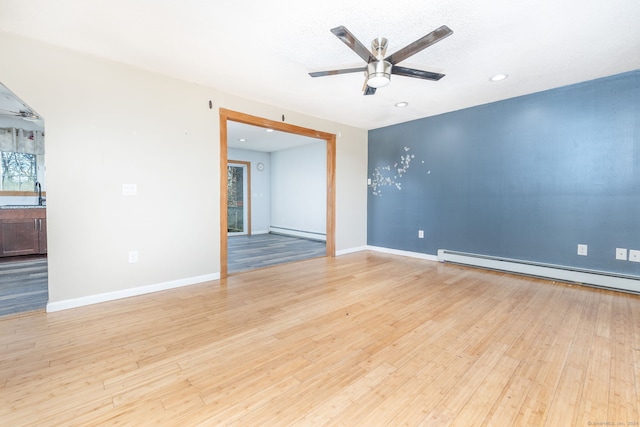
126 293
259 232
351 250
403 253
298 233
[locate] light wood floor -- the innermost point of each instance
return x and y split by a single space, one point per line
363 339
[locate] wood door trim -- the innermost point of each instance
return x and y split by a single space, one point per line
248 165
248 119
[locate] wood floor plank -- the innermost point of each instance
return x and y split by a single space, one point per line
23 284
537 312
263 250
361 339
623 388
634 316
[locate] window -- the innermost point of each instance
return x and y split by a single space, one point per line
19 171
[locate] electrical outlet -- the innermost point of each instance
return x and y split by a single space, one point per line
621 254
582 250
634 255
133 256
420 234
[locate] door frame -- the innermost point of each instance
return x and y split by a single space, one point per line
248 195
330 139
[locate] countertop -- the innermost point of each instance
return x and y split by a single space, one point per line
22 207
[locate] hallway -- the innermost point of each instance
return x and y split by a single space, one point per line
262 250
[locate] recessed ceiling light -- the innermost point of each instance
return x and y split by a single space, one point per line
269 130
242 139
402 104
499 77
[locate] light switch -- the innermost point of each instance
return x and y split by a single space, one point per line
129 189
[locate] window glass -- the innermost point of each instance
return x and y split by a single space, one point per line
19 171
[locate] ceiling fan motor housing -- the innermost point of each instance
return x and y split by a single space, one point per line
380 67
378 73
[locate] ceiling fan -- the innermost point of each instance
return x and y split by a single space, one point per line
24 114
379 69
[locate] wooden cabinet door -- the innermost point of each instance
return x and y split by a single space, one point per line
42 235
19 237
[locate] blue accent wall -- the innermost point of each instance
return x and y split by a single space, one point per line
527 178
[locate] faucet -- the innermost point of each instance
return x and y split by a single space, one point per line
38 188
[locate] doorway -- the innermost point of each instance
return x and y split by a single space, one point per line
23 224
330 139
238 198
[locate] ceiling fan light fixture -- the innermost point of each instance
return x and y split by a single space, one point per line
28 115
378 74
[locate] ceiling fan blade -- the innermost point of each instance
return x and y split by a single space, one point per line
368 90
411 72
420 44
354 44
14 113
334 72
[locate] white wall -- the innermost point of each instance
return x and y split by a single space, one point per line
299 190
260 187
351 177
109 124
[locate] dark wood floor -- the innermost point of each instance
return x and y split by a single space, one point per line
23 285
262 250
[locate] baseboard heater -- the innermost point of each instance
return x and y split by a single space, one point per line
311 235
550 271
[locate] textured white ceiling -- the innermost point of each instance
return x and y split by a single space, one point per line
247 137
264 50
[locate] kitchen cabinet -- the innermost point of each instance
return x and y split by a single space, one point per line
23 232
